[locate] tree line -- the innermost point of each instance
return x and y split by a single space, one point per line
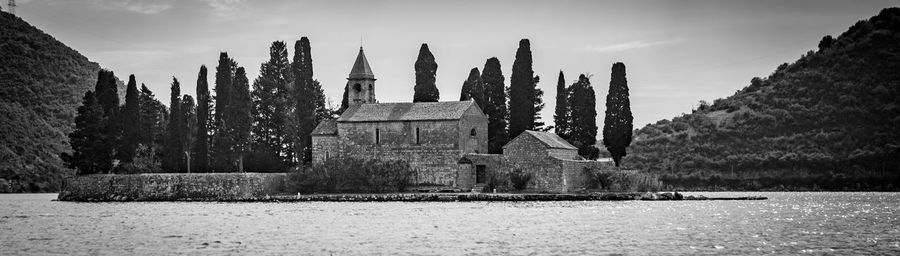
267 129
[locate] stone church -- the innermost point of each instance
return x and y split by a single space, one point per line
445 142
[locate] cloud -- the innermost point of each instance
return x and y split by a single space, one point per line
639 44
144 7
225 9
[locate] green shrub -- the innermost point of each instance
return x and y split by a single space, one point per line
519 179
350 175
621 180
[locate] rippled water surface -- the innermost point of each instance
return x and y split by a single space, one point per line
787 223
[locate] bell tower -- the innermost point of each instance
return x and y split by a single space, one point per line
361 82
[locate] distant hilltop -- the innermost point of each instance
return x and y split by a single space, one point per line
827 121
41 84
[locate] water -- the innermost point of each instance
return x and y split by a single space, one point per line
788 223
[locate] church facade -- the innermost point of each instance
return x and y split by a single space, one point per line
444 142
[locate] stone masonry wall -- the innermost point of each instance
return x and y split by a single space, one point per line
172 186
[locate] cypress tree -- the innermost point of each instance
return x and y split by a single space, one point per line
172 152
131 122
89 155
188 130
426 70
561 113
583 129
344 101
271 102
201 139
239 115
618 125
107 96
537 124
221 152
495 105
521 91
473 89
306 100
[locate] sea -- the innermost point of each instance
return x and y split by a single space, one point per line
788 223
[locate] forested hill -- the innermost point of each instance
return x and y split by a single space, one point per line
830 120
42 82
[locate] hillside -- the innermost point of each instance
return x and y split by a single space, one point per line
830 120
41 84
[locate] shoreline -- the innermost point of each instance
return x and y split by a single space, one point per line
444 197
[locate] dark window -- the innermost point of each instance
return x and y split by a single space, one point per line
370 87
417 135
377 139
480 174
357 87
473 132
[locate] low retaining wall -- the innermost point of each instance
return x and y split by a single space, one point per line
173 187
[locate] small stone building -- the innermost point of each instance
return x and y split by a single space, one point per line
554 164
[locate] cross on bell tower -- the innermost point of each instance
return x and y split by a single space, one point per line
361 82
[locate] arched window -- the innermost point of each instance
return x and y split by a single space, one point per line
473 132
357 87
370 87
417 135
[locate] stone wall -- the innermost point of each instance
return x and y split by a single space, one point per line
173 186
324 147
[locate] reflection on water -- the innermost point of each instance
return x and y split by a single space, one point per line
787 223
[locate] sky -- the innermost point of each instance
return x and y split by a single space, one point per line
676 53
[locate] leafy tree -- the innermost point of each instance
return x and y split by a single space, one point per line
306 99
154 119
131 122
272 102
473 89
426 68
583 114
239 115
173 160
618 125
495 105
201 139
561 113
89 154
521 91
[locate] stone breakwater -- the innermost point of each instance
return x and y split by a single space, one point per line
173 187
270 187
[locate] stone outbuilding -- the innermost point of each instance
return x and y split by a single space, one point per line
553 163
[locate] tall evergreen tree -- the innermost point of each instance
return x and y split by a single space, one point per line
154 118
618 125
201 139
220 155
344 101
561 113
495 105
89 154
538 125
473 89
107 96
272 102
583 127
306 100
173 159
188 130
521 91
241 120
131 122
426 69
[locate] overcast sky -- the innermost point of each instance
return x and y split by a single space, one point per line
676 52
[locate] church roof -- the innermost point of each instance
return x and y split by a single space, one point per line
407 111
326 127
361 68
550 140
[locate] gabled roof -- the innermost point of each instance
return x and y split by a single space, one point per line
361 68
326 127
407 111
550 140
